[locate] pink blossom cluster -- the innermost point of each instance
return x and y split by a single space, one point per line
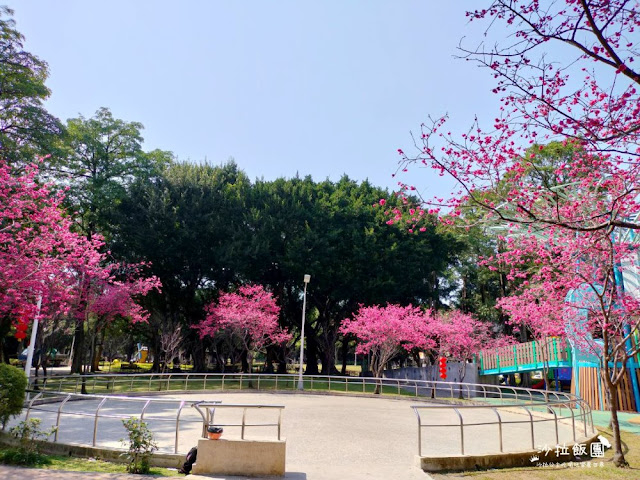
249 315
41 257
386 331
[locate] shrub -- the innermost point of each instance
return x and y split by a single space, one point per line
13 384
27 453
141 445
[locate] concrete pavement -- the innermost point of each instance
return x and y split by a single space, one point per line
328 436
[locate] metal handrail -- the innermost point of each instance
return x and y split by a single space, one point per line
210 407
470 395
183 379
532 419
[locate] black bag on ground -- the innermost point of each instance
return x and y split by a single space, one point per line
189 461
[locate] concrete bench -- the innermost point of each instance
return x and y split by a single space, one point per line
254 458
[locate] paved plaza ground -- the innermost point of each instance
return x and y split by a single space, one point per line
328 436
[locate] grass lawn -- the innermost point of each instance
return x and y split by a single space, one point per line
631 446
58 462
122 384
85 465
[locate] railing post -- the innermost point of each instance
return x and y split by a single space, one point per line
555 421
279 422
417 413
204 383
55 435
533 442
573 422
175 446
419 436
144 409
26 417
499 428
186 382
95 421
461 430
244 416
222 387
584 417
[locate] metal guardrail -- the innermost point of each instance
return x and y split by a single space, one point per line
542 407
209 412
495 398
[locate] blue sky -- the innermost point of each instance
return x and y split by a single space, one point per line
285 87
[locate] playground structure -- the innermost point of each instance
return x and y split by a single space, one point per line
555 353
512 422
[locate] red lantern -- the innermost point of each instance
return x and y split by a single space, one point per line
443 368
21 329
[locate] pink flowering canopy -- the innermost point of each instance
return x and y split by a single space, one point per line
385 331
250 314
567 221
461 335
41 257
389 328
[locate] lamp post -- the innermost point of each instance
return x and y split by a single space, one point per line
307 278
32 343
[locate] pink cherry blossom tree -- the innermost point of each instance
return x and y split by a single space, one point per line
41 258
249 316
386 331
564 220
104 293
460 336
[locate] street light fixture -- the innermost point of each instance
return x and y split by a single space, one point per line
307 279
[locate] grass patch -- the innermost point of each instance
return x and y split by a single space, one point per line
15 456
631 448
11 456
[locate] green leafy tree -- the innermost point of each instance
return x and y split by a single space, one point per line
27 130
333 231
186 223
98 159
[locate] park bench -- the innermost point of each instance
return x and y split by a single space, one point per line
130 366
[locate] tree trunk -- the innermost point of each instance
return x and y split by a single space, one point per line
78 348
198 355
612 393
269 359
329 359
312 353
96 350
344 352
245 362
377 368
